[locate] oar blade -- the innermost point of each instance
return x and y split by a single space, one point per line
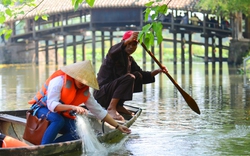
190 101
192 104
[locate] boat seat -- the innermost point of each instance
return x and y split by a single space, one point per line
12 118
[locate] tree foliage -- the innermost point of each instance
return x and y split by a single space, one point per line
225 7
11 9
153 29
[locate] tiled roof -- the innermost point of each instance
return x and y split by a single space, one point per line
59 6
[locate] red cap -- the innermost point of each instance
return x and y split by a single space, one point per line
127 34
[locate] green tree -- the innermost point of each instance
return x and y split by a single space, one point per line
225 7
228 8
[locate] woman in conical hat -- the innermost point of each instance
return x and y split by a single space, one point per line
63 92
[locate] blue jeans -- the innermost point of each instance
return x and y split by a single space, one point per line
58 124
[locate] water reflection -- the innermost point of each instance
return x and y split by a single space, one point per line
167 126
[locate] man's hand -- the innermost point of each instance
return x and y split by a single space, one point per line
132 38
157 71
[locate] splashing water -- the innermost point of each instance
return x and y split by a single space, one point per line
91 144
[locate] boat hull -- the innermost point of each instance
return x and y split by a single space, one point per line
12 123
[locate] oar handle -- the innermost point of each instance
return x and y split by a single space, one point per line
152 55
159 64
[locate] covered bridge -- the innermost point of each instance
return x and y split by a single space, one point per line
106 16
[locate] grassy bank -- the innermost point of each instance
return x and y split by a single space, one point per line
138 55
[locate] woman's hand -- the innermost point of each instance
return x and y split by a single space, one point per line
79 110
124 129
112 122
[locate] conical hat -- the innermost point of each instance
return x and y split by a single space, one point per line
82 72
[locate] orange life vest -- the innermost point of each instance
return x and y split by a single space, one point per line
69 94
8 142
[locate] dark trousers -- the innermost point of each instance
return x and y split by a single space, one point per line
2 136
121 88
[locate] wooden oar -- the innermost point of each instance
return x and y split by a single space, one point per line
190 101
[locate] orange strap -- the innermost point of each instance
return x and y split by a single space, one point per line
9 142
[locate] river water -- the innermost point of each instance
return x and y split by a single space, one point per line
167 126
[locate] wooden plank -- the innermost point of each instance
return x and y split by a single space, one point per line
12 118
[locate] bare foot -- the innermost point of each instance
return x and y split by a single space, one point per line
124 110
115 115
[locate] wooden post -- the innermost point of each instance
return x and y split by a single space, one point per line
74 48
47 51
80 14
206 49
37 54
160 52
54 21
83 48
213 49
182 48
33 29
190 68
190 48
111 38
93 47
175 47
220 50
64 49
141 18
172 20
213 54
56 53
103 45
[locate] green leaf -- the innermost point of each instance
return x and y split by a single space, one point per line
8 34
152 39
73 2
146 28
90 2
146 42
162 9
32 4
76 5
45 17
157 28
1 31
21 12
149 39
8 12
147 12
6 2
155 15
140 36
149 4
2 19
36 17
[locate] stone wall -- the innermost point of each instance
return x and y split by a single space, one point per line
17 53
238 50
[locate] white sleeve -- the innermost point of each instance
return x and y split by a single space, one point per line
54 92
95 108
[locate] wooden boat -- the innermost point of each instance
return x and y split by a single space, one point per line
13 123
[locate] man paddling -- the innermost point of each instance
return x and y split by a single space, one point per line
120 76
